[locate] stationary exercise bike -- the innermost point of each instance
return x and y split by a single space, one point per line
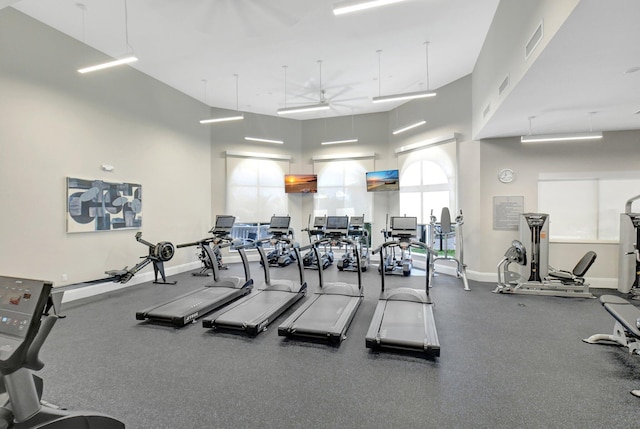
316 233
158 255
25 304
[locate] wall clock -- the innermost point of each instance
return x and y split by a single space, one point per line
506 175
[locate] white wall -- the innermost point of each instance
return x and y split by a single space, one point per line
58 123
503 51
617 151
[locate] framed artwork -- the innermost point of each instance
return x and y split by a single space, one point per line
96 205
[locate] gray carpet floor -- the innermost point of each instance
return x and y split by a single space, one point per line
506 361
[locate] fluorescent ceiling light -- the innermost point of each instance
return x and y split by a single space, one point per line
114 63
223 119
540 138
307 108
340 141
261 140
354 6
408 127
435 140
405 96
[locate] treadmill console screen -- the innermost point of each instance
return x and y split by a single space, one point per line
224 223
319 222
338 224
280 222
21 302
404 225
357 221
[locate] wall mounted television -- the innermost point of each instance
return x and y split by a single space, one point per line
300 183
383 180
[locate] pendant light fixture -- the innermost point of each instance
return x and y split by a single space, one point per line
544 138
236 117
128 58
407 95
342 141
344 7
322 105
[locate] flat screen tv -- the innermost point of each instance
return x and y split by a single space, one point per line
383 180
300 183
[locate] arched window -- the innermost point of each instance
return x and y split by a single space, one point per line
427 182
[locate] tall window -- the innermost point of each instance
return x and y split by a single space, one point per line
427 181
423 187
587 207
342 187
255 188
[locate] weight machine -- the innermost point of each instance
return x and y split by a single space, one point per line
158 255
541 278
628 252
443 231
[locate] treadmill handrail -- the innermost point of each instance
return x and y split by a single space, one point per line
412 243
345 240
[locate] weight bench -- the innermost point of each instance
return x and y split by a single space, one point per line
626 330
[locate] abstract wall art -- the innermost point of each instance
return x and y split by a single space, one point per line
96 205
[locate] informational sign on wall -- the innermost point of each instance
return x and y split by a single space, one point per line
506 212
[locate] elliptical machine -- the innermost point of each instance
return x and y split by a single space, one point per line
207 254
27 302
281 237
403 230
442 232
309 260
158 254
360 240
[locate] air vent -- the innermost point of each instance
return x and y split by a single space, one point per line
533 42
503 85
486 110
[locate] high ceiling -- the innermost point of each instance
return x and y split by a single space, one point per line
198 46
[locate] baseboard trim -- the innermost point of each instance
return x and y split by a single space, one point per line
100 288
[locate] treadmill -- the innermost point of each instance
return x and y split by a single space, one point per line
329 312
188 307
403 318
256 311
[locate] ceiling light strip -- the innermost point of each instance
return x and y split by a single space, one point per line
402 97
241 154
344 7
222 119
109 64
307 108
340 141
343 156
544 138
261 140
408 127
441 139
